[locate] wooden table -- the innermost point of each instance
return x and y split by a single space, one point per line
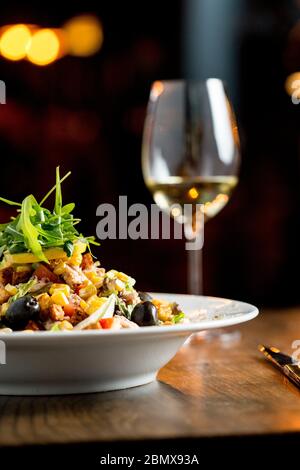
217 388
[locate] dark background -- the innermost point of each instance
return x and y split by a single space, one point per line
86 114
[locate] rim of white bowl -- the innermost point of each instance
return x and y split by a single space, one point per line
183 328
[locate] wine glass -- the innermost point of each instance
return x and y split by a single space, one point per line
190 155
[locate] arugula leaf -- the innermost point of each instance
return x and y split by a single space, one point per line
58 196
36 228
11 203
68 208
53 188
23 289
29 231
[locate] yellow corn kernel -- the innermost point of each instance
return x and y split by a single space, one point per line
76 257
80 246
83 304
164 314
22 268
119 285
60 288
164 309
59 268
44 301
87 291
65 325
158 302
123 277
94 278
3 308
12 290
94 303
59 298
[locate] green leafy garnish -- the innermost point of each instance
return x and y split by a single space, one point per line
10 203
126 310
68 248
23 289
55 327
58 196
28 229
36 228
178 317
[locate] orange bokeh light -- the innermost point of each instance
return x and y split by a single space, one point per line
15 41
84 35
193 193
44 47
292 84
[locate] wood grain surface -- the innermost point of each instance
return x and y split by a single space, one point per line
218 386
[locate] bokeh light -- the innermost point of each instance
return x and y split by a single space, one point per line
193 193
44 47
15 41
81 36
292 84
156 90
84 35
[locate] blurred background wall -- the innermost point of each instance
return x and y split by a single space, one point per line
87 114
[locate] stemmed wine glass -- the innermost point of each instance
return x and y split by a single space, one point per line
190 155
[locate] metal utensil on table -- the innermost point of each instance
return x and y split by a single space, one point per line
286 364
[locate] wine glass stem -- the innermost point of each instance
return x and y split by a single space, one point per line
195 275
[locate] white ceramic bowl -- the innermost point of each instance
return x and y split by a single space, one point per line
48 363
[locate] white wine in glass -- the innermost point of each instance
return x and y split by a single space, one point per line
190 154
212 192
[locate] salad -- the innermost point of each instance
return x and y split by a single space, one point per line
50 281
